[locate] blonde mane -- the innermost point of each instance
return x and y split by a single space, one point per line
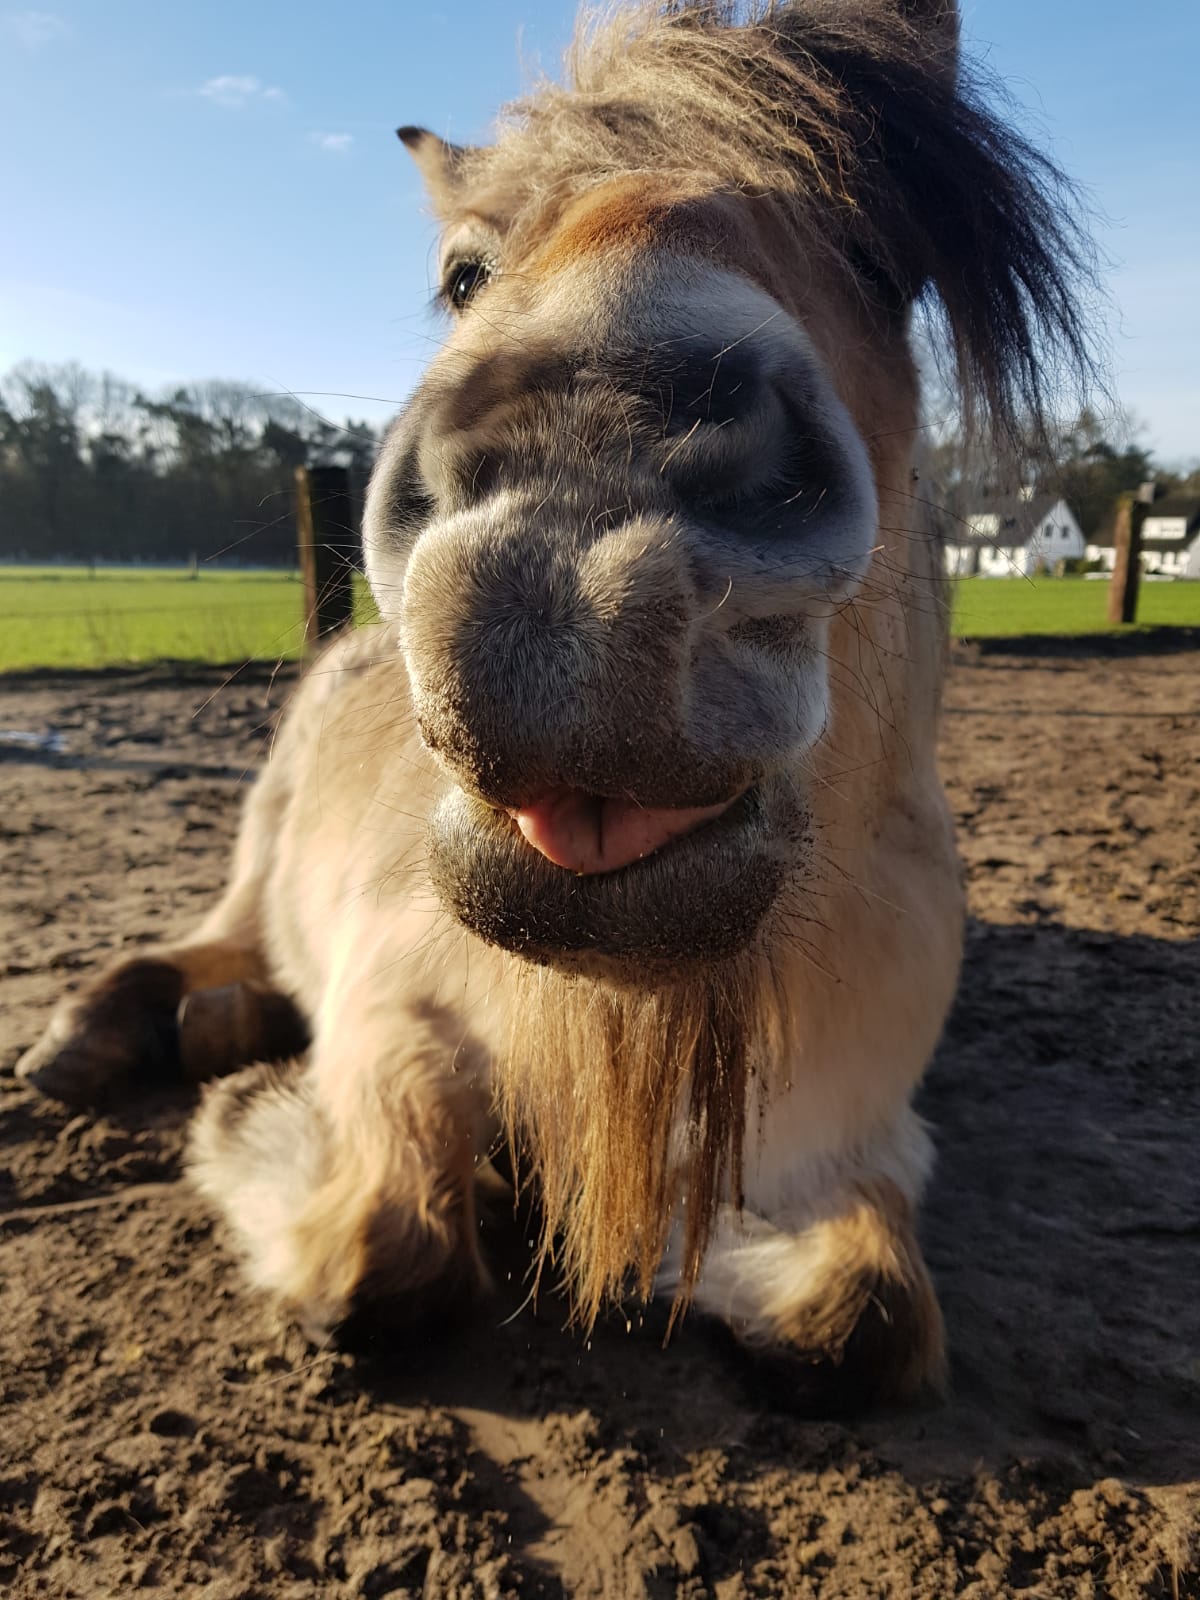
875 146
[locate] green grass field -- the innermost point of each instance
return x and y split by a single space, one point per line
988 608
65 617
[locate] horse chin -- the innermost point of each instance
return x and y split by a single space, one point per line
698 901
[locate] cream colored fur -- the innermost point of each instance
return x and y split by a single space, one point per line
721 1116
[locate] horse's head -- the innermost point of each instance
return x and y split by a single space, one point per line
627 498
628 509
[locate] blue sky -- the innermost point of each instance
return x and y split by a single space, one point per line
215 190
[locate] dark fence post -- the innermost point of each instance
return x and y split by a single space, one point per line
1127 543
328 541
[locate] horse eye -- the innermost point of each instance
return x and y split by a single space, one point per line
465 281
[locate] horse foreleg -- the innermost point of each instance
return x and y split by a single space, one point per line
352 1182
823 1284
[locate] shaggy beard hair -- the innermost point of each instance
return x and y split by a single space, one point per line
630 1108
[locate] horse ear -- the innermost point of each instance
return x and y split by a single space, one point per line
939 20
440 164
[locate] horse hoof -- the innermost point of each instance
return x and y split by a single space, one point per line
97 1044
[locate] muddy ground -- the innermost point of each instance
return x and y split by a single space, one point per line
161 1434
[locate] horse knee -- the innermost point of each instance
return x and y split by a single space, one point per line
852 1318
334 1221
257 1149
837 1315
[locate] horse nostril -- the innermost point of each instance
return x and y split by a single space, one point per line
714 387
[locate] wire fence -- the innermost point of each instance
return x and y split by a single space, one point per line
89 617
99 616
220 617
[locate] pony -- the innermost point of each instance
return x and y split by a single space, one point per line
620 841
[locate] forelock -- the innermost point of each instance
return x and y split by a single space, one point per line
852 121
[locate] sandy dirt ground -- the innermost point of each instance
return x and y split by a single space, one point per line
162 1434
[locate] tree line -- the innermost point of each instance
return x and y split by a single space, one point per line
92 468
1088 461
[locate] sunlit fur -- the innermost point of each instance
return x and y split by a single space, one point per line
705 1060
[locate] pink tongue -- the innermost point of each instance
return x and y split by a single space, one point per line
587 833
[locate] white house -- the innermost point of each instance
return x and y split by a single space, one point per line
1015 536
1170 539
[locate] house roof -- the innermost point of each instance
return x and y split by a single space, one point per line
1171 505
1186 506
1017 519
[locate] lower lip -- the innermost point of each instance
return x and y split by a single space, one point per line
696 901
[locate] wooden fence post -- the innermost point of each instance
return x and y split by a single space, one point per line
327 537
